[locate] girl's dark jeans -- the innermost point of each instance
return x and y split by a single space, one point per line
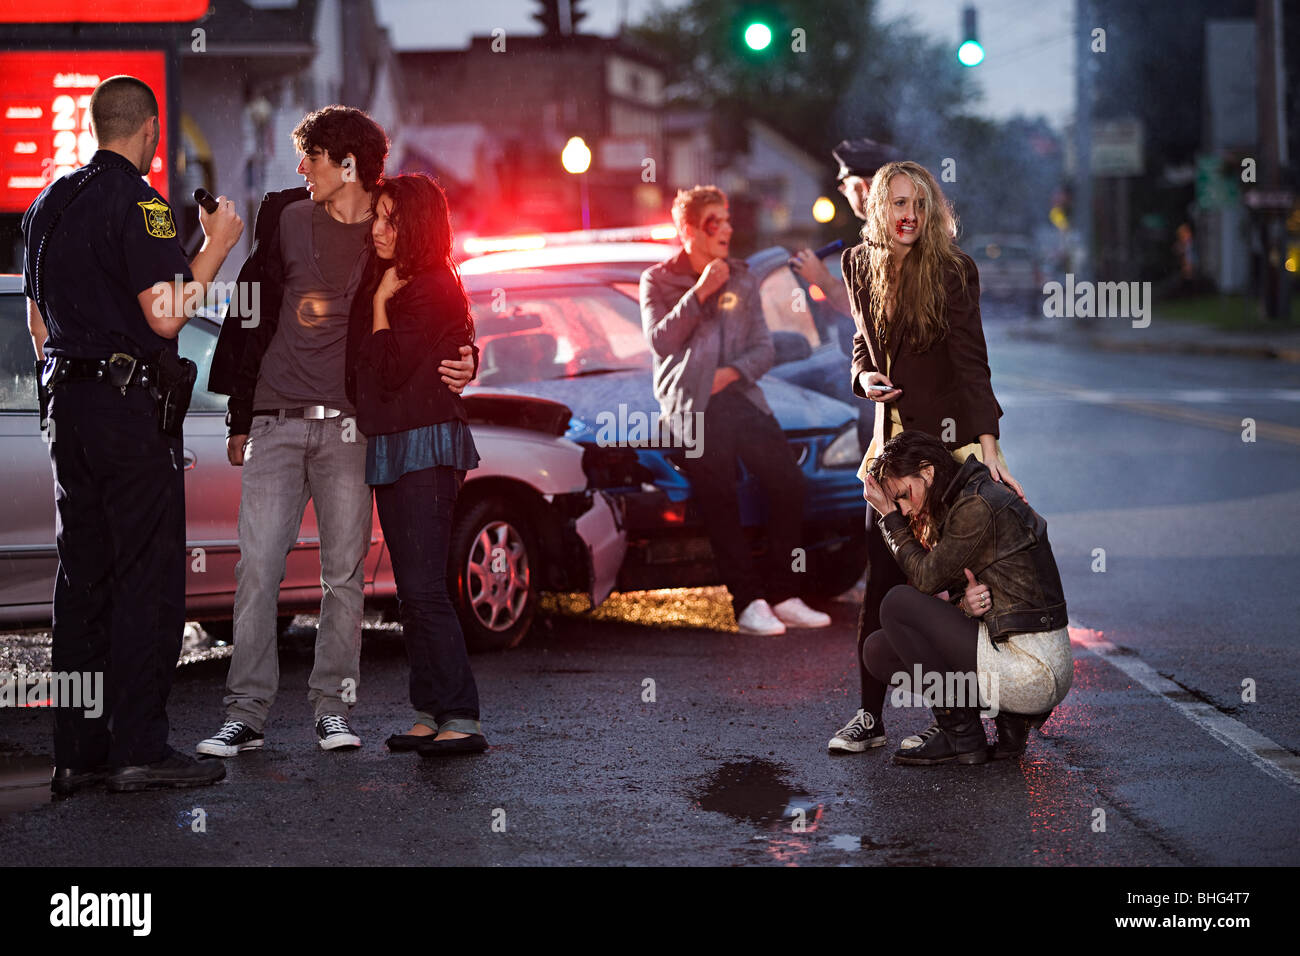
415 513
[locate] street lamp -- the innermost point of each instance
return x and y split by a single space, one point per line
576 158
823 210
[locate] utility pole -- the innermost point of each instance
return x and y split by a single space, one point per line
1274 288
1083 17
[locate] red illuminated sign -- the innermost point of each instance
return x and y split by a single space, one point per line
101 11
45 115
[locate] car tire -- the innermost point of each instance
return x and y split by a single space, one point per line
495 603
832 573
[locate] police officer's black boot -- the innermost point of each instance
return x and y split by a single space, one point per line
960 739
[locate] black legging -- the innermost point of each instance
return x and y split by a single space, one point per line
883 573
916 629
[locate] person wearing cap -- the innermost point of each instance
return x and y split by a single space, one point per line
858 161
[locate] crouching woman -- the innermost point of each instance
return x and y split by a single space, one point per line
953 528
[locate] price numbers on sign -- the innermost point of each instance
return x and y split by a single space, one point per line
73 144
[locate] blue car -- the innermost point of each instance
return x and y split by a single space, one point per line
564 326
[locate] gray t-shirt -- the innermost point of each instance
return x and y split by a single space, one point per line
323 263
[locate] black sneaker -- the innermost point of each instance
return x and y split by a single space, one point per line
234 736
335 733
176 771
857 735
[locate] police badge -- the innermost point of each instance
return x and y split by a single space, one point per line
158 219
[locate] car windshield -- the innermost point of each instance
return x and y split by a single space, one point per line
532 335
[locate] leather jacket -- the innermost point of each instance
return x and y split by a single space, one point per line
1002 540
691 340
243 340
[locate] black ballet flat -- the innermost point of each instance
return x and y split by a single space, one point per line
406 742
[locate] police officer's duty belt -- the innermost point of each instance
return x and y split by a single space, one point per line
118 369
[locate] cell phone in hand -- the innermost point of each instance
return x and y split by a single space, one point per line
881 388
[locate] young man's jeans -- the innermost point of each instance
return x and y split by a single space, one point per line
288 461
734 427
415 512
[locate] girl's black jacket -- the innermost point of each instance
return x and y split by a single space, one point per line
392 375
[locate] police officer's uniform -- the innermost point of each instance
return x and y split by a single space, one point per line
119 601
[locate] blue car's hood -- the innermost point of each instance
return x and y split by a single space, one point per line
797 409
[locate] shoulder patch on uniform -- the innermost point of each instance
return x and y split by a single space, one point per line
158 219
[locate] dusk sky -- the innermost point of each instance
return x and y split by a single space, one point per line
1028 69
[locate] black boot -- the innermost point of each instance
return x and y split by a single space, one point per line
1013 733
960 739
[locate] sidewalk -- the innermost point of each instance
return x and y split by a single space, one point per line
1177 337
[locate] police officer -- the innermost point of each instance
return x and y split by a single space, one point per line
858 160
102 271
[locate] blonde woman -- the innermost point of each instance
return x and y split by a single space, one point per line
918 354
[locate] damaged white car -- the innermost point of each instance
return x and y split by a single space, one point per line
527 519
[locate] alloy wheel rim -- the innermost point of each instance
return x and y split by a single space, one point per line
498 575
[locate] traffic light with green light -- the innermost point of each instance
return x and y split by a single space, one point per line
758 35
971 52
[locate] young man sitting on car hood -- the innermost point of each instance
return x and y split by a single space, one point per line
702 314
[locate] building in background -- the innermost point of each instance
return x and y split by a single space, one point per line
522 98
234 78
262 65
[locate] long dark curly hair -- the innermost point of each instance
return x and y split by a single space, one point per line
905 455
423 224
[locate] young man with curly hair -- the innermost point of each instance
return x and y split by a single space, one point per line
292 428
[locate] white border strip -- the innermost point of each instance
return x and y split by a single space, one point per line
1265 754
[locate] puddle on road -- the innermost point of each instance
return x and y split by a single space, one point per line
754 791
844 841
789 819
24 783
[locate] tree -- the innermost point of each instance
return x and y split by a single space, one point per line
832 71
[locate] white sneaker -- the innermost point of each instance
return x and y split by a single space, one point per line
857 735
795 613
335 733
916 740
758 618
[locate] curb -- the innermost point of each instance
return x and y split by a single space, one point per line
1238 350
1289 352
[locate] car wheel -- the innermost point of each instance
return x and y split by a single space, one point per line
831 573
493 574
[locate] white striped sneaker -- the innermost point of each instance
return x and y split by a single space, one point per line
335 733
233 737
857 735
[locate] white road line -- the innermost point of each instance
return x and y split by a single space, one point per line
1267 755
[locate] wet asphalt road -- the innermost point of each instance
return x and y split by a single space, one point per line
1138 455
